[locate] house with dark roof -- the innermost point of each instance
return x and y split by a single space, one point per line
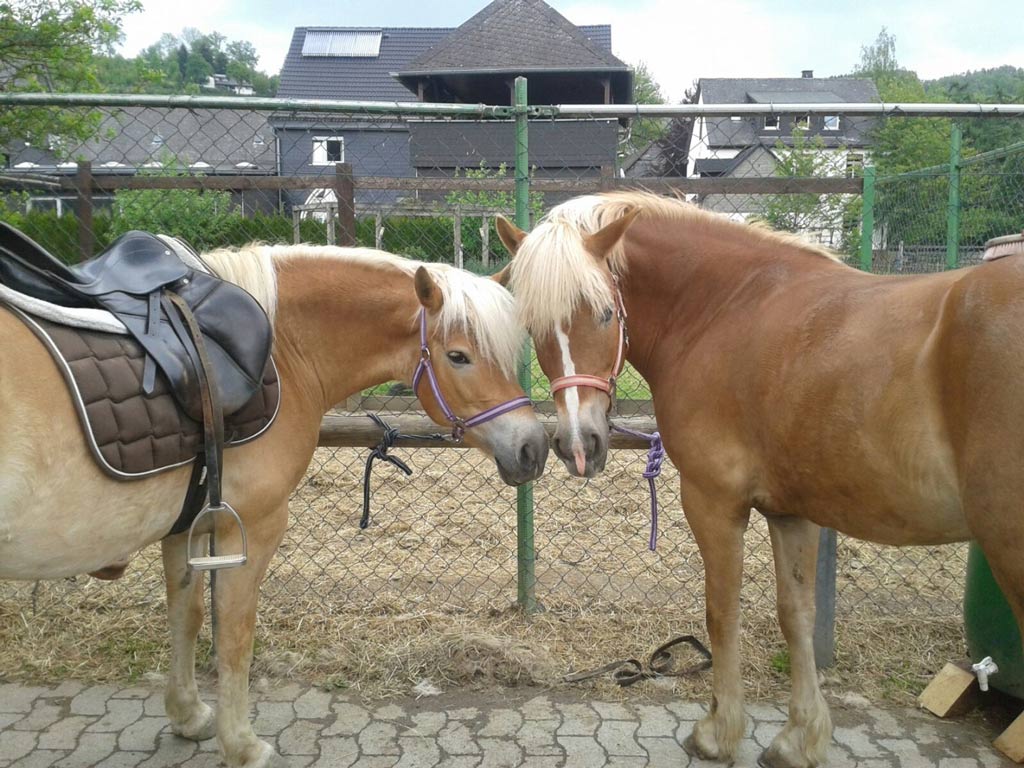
476 62
134 140
716 143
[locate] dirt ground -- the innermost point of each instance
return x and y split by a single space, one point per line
428 592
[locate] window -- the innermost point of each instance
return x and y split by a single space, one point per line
45 204
831 122
328 150
157 141
802 122
259 141
735 118
854 164
771 122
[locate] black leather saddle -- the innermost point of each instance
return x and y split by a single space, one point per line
209 338
134 280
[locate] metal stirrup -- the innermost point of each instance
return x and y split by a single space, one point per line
217 562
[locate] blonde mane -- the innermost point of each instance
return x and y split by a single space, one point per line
553 275
474 305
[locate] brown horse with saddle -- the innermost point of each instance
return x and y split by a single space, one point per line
121 381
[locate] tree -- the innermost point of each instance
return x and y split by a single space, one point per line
643 131
828 218
49 45
674 146
879 58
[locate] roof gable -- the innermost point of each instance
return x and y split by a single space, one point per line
515 36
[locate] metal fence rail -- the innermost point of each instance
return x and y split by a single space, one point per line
427 181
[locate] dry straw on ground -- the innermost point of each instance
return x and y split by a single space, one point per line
427 592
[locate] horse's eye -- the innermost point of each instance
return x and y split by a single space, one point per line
607 316
458 358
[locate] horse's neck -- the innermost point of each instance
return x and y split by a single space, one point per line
683 277
342 327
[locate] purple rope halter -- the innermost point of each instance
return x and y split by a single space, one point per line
459 425
655 458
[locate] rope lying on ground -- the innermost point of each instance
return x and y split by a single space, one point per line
626 672
390 437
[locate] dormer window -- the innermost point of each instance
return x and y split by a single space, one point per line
802 122
157 141
258 141
831 122
771 122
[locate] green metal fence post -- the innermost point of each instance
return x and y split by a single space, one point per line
525 556
953 212
867 219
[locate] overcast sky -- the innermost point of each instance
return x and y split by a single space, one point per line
679 40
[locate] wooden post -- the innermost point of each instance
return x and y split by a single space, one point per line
485 239
296 233
83 183
332 210
607 177
378 230
825 601
344 190
458 238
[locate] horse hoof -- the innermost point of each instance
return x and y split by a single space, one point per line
200 727
769 760
691 748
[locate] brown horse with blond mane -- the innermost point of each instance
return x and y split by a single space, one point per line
889 408
344 320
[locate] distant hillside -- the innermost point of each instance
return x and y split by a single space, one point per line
1002 84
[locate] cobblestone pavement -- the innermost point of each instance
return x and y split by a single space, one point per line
72 725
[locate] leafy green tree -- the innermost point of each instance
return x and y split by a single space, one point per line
642 130
50 45
828 217
674 146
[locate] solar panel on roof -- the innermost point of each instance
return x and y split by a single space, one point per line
359 43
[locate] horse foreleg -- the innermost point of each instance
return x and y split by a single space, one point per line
189 715
804 740
718 524
236 593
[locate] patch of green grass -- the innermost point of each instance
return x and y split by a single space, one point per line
781 663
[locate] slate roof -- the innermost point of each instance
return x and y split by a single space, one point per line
738 90
372 79
515 36
723 132
356 78
129 138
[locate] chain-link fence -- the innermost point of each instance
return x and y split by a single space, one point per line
428 183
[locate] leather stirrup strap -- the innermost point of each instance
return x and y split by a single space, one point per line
213 415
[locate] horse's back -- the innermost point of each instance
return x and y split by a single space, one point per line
59 513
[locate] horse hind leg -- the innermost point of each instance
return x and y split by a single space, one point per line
718 526
804 740
190 717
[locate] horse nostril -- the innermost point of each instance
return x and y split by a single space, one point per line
527 455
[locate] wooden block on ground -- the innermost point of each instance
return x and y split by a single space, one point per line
951 692
1011 741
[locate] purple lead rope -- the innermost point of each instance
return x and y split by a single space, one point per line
655 458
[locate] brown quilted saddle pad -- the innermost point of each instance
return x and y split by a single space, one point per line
130 434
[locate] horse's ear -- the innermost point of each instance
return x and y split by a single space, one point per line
502 277
602 241
511 235
427 291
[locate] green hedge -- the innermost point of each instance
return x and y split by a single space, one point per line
425 239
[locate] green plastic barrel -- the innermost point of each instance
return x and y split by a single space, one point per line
990 626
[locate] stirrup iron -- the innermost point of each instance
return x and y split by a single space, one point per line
217 562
